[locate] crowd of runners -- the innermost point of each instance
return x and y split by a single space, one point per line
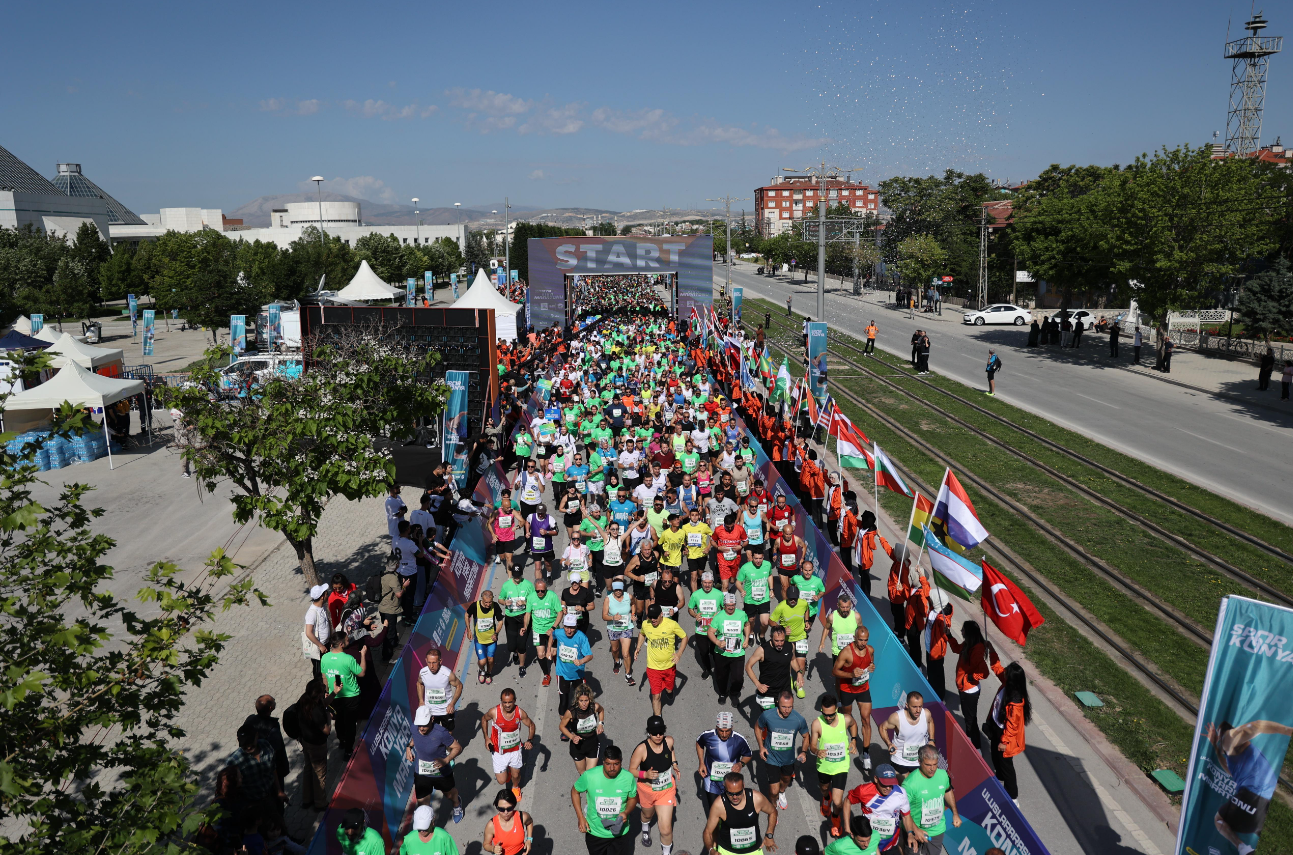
636 533
639 293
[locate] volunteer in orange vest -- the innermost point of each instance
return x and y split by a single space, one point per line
938 624
848 530
897 586
914 612
834 506
971 668
813 482
1007 715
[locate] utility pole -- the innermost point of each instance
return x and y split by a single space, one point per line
821 174
507 241
728 200
983 256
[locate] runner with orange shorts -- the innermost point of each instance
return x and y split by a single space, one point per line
656 768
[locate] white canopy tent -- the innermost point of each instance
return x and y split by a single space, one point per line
79 387
49 334
67 349
483 295
367 285
22 325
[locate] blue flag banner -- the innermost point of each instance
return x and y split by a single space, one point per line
37 323
817 358
133 302
410 290
273 332
516 275
237 335
453 283
455 424
960 571
429 280
738 294
1245 721
150 326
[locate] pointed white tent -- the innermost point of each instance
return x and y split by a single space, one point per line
67 349
483 295
49 334
367 285
77 386
22 325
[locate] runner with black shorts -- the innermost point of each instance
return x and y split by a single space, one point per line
583 724
644 571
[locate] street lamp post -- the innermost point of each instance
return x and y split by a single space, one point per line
507 241
821 175
323 249
728 249
417 220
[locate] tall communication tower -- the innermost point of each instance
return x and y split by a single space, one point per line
1250 55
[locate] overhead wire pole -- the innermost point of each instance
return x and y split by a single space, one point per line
821 174
983 257
728 200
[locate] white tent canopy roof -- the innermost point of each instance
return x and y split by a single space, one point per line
48 334
22 324
367 285
483 295
67 349
76 385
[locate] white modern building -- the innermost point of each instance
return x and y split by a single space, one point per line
28 198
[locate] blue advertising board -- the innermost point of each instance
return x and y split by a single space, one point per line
410 290
428 279
455 424
273 328
150 327
817 358
37 323
237 335
453 283
738 293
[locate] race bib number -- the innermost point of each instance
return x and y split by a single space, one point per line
663 780
574 610
931 813
718 770
801 647
567 654
707 607
508 739
668 611
742 837
759 590
694 539
586 725
540 544
581 485
732 629
843 641
536 638
836 751
622 623
729 554
505 522
651 579
765 701
910 754
743 487
884 825
787 559
484 624
781 741
437 697
608 805
428 767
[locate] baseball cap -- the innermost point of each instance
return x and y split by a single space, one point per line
422 716
655 725
570 620
422 818
884 774
654 611
318 591
353 818
723 719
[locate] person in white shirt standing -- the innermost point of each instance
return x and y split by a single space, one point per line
394 506
423 517
318 628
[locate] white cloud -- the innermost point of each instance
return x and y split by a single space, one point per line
377 109
661 126
537 175
286 107
554 120
361 187
488 110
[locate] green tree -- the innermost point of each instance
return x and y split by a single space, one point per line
604 229
947 207
476 252
305 262
261 265
91 251
68 296
447 257
1059 233
920 258
300 441
384 254
626 230
197 273
28 261
1266 302
93 685
119 275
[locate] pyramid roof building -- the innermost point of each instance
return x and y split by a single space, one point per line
71 182
18 176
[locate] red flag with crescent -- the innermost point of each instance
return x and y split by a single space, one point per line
1007 606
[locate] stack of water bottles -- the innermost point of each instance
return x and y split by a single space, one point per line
57 452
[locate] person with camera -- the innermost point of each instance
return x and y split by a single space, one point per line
341 673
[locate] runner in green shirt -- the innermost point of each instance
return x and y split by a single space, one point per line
929 790
752 580
341 672
512 597
612 795
690 459
706 601
810 587
859 841
426 839
355 838
542 608
841 626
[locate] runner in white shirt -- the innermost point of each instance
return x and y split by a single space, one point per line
700 438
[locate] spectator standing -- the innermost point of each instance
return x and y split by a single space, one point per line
181 439
309 719
1078 329
268 728
922 365
994 365
1009 712
318 628
1168 347
1265 369
1115 332
254 760
871 330
1286 378
1135 345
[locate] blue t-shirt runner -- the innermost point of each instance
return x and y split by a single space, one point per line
785 735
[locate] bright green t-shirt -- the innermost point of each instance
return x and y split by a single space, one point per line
657 520
792 619
370 843
729 629
707 605
587 426
928 810
344 666
811 588
596 467
605 797
544 611
842 630
690 462
512 596
599 434
593 539
439 844
846 846
755 580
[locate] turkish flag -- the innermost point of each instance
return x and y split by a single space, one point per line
1003 602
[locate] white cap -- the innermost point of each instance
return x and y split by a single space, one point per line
723 719
318 591
576 576
570 620
423 818
422 716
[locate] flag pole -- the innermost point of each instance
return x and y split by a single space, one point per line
911 518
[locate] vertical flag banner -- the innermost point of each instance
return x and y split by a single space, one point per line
1242 734
455 424
149 327
133 302
410 290
453 283
817 358
516 275
238 334
738 294
429 279
37 323
274 332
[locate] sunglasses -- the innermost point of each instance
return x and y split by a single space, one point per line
502 809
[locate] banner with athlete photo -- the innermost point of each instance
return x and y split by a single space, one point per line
237 334
738 294
988 816
410 290
428 279
379 776
817 359
1243 729
455 424
150 329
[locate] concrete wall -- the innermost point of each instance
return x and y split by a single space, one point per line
19 209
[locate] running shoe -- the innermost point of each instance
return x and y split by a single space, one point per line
522 672
782 801
646 835
458 814
516 791
616 669
547 679
628 678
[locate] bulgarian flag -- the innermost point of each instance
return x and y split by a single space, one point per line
886 474
850 443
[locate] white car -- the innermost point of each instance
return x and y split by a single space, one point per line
999 313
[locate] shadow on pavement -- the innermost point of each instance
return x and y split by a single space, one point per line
1077 802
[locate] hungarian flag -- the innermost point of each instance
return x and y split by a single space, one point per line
1003 602
954 512
886 474
921 512
851 446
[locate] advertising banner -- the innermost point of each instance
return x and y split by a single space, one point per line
455 424
738 293
1242 734
453 283
237 334
516 275
410 290
37 323
133 302
274 328
428 279
817 359
150 326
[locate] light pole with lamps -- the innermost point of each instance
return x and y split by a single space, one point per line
418 220
507 242
323 250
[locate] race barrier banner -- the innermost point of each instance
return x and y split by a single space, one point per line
150 327
1242 733
455 424
817 359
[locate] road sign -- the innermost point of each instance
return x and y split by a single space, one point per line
947 278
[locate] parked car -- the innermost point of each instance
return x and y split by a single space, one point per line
1088 319
252 369
999 313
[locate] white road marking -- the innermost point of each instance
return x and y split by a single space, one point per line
1205 439
1251 422
1110 804
1098 401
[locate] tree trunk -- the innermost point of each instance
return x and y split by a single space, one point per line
305 555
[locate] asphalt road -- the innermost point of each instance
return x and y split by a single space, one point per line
1219 444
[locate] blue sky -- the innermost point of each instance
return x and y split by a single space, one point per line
609 105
